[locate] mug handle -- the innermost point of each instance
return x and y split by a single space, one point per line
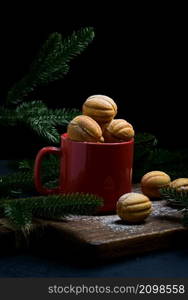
37 166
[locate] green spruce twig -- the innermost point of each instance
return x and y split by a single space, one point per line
51 63
21 182
39 118
20 212
12 185
177 199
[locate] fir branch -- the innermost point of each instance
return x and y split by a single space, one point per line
20 212
21 182
65 204
31 109
39 72
62 116
50 164
10 117
41 120
49 50
25 164
38 111
74 45
7 117
51 63
16 183
44 129
177 199
45 125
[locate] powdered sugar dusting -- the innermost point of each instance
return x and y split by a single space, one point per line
113 222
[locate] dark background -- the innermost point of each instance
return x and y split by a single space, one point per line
138 58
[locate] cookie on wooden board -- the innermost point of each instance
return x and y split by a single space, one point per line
134 207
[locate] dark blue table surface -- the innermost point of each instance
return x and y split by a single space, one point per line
168 263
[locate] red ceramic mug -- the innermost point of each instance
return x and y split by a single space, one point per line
103 169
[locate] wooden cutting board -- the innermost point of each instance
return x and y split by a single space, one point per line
106 236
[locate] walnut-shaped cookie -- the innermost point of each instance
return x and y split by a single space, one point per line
84 129
152 181
100 108
133 207
118 130
180 184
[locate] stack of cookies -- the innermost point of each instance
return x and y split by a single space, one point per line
97 123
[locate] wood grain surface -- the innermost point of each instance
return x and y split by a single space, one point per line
106 236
